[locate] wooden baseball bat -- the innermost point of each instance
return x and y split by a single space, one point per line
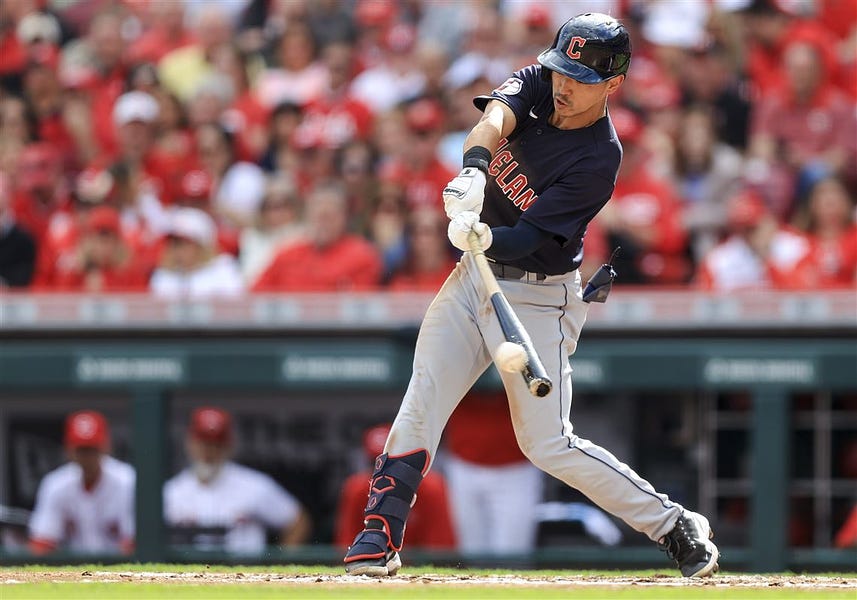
534 372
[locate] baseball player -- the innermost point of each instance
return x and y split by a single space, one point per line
86 505
218 503
538 166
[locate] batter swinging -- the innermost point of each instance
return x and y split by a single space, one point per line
543 158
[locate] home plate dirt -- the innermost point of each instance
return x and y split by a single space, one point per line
746 581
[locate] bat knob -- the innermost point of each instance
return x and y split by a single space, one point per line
540 387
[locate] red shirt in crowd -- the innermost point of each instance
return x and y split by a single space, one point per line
829 263
424 187
350 263
648 204
429 523
808 130
409 280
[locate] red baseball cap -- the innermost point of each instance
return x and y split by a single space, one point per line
196 185
211 424
87 429
746 209
373 13
538 16
374 439
424 115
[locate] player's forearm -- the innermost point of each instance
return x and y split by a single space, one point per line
488 131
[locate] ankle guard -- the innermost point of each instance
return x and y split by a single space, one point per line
392 491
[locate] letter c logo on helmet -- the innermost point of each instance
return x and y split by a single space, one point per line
589 48
574 47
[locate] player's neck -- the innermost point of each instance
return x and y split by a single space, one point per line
91 479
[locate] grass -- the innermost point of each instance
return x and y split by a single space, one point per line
377 590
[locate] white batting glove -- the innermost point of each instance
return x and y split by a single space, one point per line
462 224
465 192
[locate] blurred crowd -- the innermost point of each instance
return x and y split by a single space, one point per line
213 149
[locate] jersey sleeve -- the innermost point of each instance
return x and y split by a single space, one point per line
275 506
520 92
46 522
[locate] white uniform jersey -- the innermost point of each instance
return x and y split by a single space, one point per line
81 520
241 501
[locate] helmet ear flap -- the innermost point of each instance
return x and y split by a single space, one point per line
545 74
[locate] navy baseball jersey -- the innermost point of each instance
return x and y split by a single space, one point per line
554 179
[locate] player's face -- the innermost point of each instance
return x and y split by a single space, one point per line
579 104
89 460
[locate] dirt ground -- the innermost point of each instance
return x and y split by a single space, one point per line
746 581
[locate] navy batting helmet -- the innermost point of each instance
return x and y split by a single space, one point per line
589 48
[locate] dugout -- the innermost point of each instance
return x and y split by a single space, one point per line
739 405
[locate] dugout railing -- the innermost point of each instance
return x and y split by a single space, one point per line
767 345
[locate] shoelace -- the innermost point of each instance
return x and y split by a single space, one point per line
681 540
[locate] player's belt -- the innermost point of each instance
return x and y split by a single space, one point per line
502 271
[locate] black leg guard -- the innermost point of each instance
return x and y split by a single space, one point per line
392 491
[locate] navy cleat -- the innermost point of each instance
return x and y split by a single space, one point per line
689 545
367 555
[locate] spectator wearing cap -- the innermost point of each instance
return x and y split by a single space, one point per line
429 524
86 505
57 248
102 261
215 503
190 266
336 116
277 227
644 215
330 259
396 78
426 174
135 116
298 76
373 18
760 253
17 246
531 31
